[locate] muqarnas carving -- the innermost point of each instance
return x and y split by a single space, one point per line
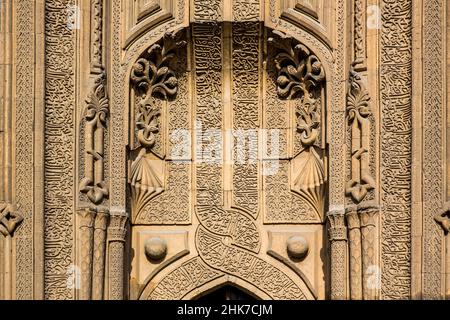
358 113
96 115
301 78
154 82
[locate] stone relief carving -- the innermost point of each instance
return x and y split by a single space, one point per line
360 217
9 219
395 149
154 82
96 116
443 218
301 76
396 153
434 110
59 174
358 111
25 129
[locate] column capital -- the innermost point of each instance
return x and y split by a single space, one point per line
337 229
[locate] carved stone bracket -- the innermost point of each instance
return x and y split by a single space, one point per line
9 219
443 218
358 112
96 114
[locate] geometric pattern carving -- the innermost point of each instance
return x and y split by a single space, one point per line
60 86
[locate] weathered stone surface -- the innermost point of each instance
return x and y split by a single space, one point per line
161 149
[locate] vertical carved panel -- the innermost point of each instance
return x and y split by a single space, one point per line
93 184
300 78
359 30
354 240
207 40
433 118
117 152
24 134
59 148
246 115
395 87
97 33
155 82
359 114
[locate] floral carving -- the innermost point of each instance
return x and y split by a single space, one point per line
153 74
300 78
299 71
152 77
154 80
358 111
97 110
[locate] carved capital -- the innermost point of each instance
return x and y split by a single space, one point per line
117 229
87 216
443 218
336 225
367 213
352 217
9 219
101 219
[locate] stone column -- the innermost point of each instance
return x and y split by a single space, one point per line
367 214
86 225
337 233
98 268
116 237
354 239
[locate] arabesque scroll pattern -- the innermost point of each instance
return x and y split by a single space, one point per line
301 76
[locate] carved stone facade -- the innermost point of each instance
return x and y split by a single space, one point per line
164 149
